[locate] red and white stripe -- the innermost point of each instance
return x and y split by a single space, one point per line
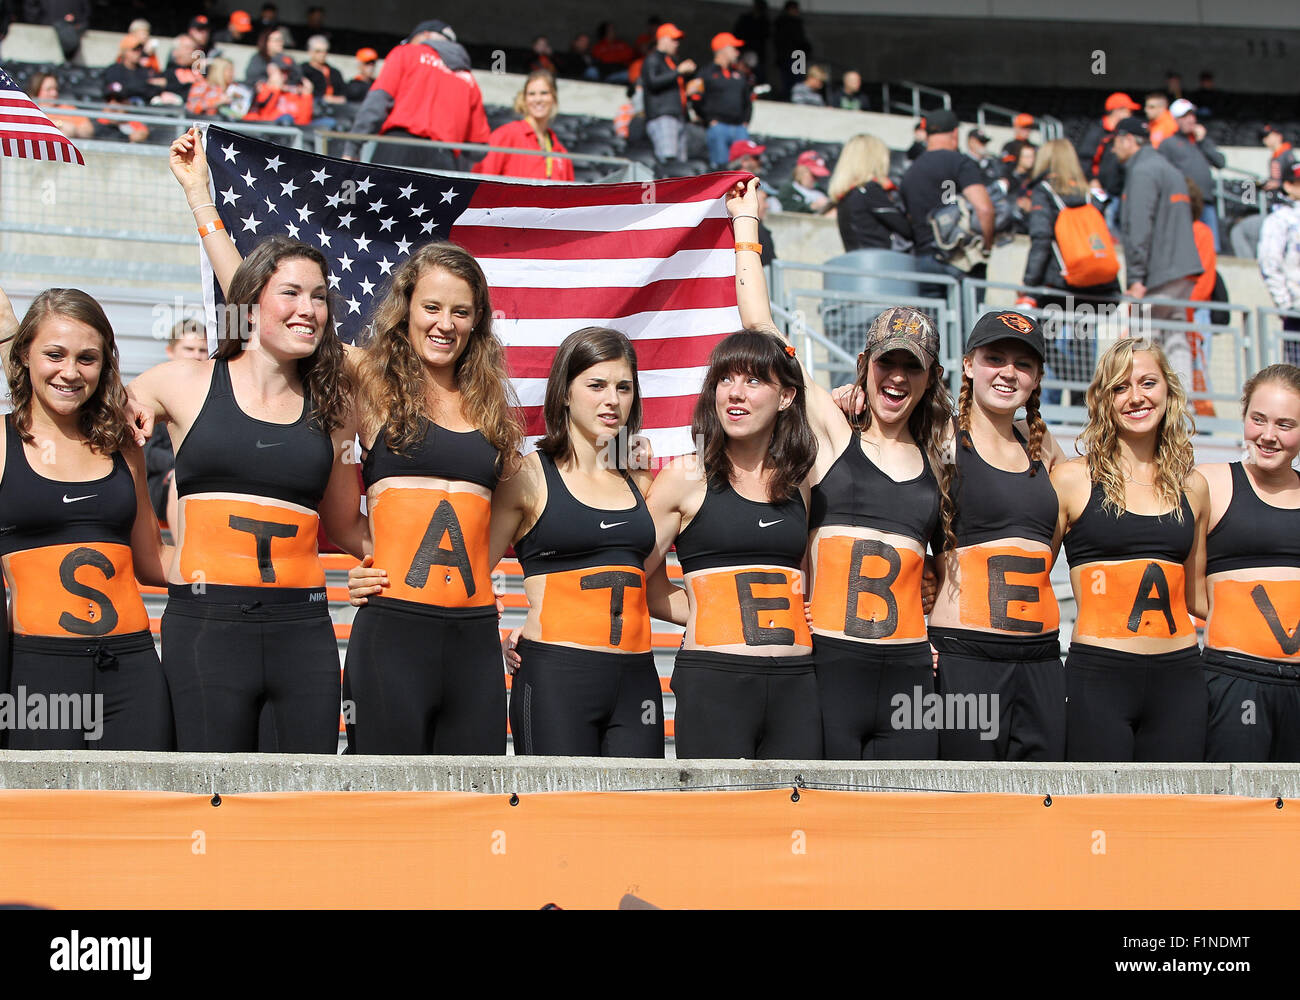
27 132
653 260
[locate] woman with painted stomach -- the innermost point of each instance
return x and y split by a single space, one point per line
995 619
1132 512
737 511
1252 565
876 502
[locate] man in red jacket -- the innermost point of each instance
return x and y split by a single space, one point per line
425 90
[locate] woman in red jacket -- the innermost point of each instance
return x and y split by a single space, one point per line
538 102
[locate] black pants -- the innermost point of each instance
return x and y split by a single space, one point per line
867 691
425 157
238 650
92 694
1134 706
584 703
423 680
1254 708
753 707
1022 682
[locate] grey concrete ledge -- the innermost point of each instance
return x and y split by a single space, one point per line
231 774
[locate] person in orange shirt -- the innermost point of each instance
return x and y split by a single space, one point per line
1160 122
538 102
280 102
1202 291
44 88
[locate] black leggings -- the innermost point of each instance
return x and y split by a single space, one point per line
1019 683
1254 708
585 703
228 660
92 694
1134 706
860 685
755 707
422 680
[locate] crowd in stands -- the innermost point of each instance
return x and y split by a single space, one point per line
1141 167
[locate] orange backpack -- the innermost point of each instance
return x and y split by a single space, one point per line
1083 246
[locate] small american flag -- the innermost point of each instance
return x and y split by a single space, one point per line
654 260
27 132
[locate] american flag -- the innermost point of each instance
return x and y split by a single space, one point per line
27 132
654 260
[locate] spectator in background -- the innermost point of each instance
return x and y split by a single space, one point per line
1173 85
746 155
791 48
1205 95
1193 153
1097 156
280 102
1279 257
812 89
801 193
270 49
143 31
1281 156
326 82
44 88
1022 124
1059 183
200 32
918 141
726 99
271 19
867 208
753 26
315 23
1160 123
977 148
238 30
849 96
612 54
1018 183
359 85
579 62
1160 257
215 93
180 73
426 91
1202 291
663 84
931 179
127 80
543 56
538 103
188 339
68 18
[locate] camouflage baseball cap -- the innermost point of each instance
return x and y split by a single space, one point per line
906 329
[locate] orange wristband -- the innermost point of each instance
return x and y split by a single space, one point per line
208 228
756 247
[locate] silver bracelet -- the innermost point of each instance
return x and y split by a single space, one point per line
208 204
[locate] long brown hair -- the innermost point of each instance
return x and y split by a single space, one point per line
929 419
793 449
102 418
579 351
1099 441
323 373
393 380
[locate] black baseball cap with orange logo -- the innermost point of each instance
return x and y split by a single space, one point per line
1007 324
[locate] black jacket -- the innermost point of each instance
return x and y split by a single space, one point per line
663 98
1097 157
125 84
1042 266
727 97
866 217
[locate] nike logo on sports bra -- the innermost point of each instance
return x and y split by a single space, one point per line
68 499
273 444
614 525
768 524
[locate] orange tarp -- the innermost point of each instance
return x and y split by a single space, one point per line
119 850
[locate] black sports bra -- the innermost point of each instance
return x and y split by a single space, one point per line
730 530
992 503
227 451
465 456
1252 533
1100 536
855 492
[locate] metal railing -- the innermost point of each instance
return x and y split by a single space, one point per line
1277 345
1224 176
912 106
173 119
369 143
1049 127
